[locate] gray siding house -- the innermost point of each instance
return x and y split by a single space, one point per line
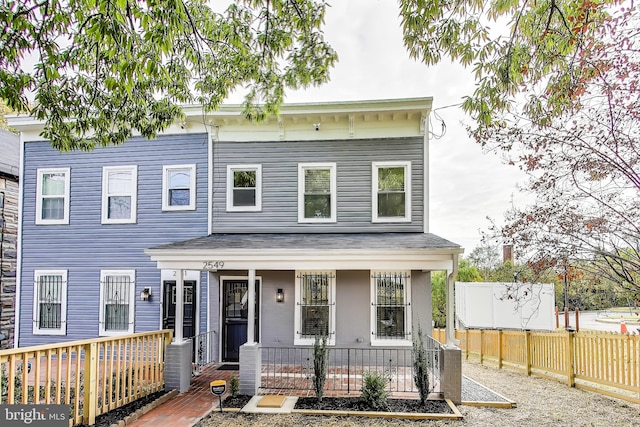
9 182
252 235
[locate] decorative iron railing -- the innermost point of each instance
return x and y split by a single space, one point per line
203 349
292 368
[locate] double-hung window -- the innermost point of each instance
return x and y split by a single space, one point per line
52 203
178 187
244 188
315 306
119 194
391 308
317 192
117 290
50 302
391 191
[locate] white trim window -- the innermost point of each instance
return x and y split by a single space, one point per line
179 188
119 194
391 191
117 302
315 313
244 188
50 302
390 308
52 200
316 192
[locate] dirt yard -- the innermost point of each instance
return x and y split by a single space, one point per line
541 402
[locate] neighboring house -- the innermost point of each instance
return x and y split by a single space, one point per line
324 209
9 183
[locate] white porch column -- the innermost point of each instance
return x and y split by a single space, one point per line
179 307
251 309
450 307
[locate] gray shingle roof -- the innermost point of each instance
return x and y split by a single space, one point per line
320 241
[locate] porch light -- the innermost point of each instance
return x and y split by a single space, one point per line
145 295
280 295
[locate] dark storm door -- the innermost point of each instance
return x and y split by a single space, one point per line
169 307
234 317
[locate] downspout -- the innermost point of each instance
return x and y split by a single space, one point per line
450 330
2 233
16 305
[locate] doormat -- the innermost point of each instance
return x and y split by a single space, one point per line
228 367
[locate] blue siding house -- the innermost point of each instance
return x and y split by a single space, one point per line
324 210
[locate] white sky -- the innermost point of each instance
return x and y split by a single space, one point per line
466 185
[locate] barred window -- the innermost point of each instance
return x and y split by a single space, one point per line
315 305
391 305
50 302
117 302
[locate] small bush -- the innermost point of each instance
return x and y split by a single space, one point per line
420 367
374 391
320 360
234 385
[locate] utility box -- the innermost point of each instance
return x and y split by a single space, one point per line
501 305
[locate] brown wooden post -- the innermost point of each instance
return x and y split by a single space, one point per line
571 375
557 318
481 343
500 349
466 339
566 318
577 320
90 383
527 347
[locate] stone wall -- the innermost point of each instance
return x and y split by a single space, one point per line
8 257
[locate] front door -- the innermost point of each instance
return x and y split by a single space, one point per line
169 307
234 317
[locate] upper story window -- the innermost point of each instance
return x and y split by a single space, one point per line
119 194
50 302
52 203
178 187
117 290
391 192
315 306
244 188
317 192
390 308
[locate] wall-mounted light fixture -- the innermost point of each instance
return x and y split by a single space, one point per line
280 295
145 295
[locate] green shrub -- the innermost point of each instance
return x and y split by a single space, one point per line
320 360
374 391
234 385
420 367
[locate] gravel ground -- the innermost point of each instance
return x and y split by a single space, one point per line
541 402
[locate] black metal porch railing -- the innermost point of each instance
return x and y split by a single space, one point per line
287 368
203 349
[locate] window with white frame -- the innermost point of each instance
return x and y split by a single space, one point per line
315 306
117 291
391 191
390 307
50 302
178 187
119 194
317 192
52 202
244 188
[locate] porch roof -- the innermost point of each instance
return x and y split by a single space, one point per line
424 251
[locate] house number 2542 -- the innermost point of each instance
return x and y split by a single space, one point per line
212 265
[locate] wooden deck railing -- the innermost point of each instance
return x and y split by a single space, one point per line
91 376
604 362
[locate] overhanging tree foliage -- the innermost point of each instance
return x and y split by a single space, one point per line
559 92
106 68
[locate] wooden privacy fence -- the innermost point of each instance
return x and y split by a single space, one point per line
91 376
604 362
